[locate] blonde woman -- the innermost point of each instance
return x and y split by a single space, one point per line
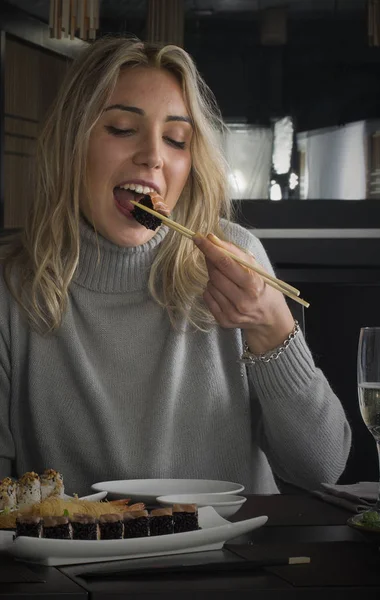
120 346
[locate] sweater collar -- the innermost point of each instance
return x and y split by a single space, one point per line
106 267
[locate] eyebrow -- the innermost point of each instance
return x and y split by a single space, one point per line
139 111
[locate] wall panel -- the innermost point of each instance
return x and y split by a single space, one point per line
32 77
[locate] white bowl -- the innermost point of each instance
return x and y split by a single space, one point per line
148 490
225 505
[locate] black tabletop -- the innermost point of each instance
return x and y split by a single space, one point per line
21 580
344 564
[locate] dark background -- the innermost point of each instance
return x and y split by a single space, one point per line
326 74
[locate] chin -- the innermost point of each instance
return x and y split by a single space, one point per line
129 237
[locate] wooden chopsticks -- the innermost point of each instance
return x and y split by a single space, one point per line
277 284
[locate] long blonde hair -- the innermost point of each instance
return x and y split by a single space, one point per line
45 255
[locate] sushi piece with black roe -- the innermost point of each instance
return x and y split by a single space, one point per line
136 524
161 521
29 526
85 527
154 202
111 526
144 218
185 517
57 528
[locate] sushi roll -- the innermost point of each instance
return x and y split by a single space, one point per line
111 526
161 521
57 528
28 489
30 526
136 524
8 496
185 517
51 484
85 527
156 203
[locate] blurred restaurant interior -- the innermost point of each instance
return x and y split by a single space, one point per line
298 84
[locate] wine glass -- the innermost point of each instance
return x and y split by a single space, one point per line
369 386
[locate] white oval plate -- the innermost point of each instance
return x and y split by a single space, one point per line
214 532
225 505
148 490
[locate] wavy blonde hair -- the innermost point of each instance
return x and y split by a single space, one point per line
45 255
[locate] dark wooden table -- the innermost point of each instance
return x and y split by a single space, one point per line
344 564
19 581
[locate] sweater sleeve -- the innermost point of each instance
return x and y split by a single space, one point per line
304 431
6 440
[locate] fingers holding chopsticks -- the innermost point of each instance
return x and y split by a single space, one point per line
237 296
216 259
234 291
282 286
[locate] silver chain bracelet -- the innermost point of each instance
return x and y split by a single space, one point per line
250 359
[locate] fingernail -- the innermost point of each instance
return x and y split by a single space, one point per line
197 239
213 238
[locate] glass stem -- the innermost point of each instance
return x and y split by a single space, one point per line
377 505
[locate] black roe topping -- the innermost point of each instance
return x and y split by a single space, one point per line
29 529
59 532
111 531
85 531
185 521
161 525
138 527
149 221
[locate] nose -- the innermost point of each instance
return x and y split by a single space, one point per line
149 152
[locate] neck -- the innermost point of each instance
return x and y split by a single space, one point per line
108 268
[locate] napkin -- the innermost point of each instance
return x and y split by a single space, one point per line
355 497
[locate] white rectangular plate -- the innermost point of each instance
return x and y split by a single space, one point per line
214 532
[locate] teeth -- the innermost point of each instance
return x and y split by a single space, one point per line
135 187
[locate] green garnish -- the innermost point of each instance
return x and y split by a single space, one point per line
66 513
370 518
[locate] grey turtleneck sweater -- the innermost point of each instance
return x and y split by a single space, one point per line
117 393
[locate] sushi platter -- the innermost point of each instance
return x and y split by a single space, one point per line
214 532
40 523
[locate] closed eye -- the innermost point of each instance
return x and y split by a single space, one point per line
118 132
180 145
127 132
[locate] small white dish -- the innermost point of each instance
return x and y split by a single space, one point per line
214 533
148 490
225 505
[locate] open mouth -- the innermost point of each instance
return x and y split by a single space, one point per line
124 194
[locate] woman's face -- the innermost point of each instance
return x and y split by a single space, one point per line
141 139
